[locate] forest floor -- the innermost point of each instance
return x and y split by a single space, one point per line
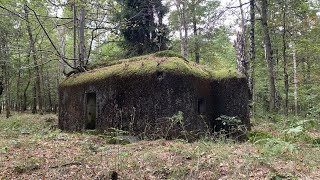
32 148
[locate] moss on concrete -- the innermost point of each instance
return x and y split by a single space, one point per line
148 64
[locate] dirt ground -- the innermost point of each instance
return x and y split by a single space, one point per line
32 148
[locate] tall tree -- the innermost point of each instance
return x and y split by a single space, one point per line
284 57
241 55
179 20
195 20
252 53
180 28
82 44
268 54
144 31
74 9
195 4
33 51
184 23
295 76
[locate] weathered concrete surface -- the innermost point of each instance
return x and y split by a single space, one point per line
145 104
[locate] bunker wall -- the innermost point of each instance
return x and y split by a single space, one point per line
146 104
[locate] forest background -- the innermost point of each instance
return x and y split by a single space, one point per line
275 43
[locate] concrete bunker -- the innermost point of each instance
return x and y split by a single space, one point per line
143 95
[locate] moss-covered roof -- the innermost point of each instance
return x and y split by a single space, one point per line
142 65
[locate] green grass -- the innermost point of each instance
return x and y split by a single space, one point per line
31 148
144 65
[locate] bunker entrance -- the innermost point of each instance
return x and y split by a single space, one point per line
91 110
201 108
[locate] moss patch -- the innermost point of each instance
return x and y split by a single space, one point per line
144 65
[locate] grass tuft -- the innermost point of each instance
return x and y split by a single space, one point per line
27 166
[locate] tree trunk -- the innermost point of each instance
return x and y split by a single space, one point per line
268 54
49 93
82 48
34 98
7 89
56 99
180 28
195 31
243 29
24 105
35 62
285 63
62 48
24 102
42 82
181 42
241 62
252 53
295 78
185 27
241 44
18 96
74 35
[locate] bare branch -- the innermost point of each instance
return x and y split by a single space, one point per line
233 7
57 51
14 13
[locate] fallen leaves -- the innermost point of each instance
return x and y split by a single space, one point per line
52 154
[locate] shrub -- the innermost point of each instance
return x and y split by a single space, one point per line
231 127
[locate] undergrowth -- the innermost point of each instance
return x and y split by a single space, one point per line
284 135
32 147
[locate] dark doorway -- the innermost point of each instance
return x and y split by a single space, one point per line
201 108
91 110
